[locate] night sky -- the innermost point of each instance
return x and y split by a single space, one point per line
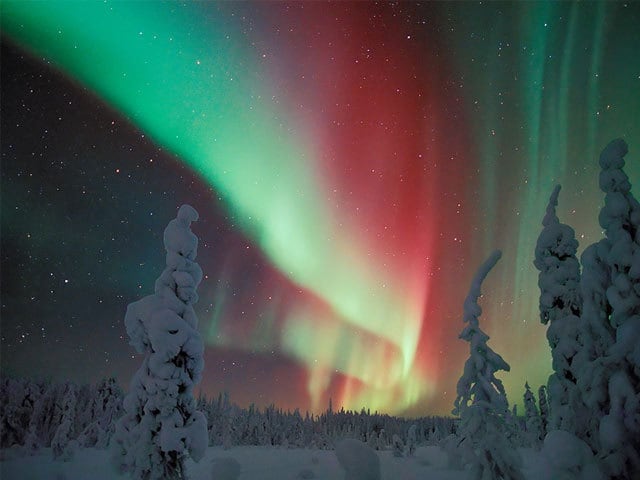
352 164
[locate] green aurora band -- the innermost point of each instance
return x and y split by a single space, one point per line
183 79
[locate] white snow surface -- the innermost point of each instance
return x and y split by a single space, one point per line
256 463
359 461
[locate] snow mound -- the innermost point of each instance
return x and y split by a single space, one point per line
306 474
359 461
225 468
568 457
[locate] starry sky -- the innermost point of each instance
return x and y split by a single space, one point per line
352 164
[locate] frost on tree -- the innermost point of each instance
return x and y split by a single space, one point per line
161 427
481 400
610 365
560 308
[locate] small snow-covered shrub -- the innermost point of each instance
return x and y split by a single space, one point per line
373 441
411 440
398 446
226 468
450 446
359 461
458 453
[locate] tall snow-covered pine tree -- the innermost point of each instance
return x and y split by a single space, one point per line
610 367
62 444
481 400
560 308
161 426
533 422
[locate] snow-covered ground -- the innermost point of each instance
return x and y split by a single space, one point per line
257 463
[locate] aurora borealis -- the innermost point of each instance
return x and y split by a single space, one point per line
352 163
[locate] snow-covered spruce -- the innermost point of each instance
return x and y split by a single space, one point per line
481 400
411 440
62 445
610 368
398 446
160 426
46 417
105 409
533 422
596 337
560 307
516 428
17 401
544 409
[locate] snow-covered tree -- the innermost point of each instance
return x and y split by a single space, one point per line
533 422
85 397
227 433
46 417
609 375
515 428
17 399
62 444
160 427
560 308
397 446
372 441
382 440
544 409
481 400
411 440
106 408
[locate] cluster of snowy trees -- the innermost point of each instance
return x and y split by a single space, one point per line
36 414
592 307
230 425
590 426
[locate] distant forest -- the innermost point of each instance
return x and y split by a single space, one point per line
65 416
